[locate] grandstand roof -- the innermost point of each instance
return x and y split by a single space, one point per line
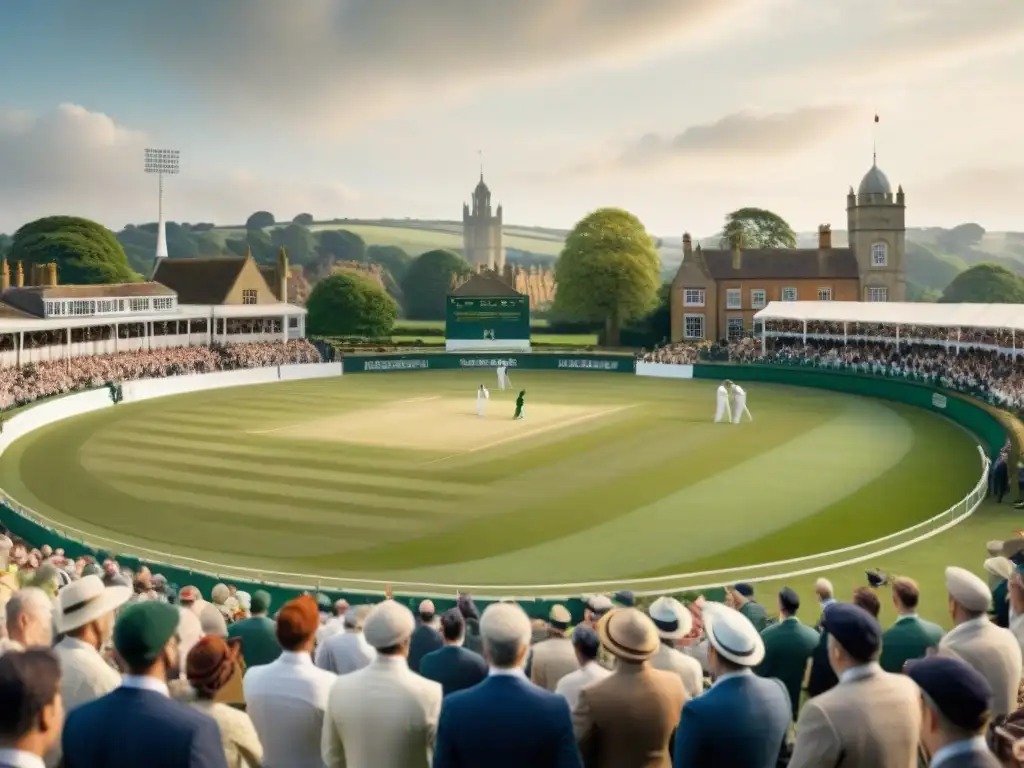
898 313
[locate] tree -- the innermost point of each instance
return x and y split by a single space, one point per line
348 304
394 259
960 237
985 284
261 246
427 282
85 252
305 219
297 240
340 245
260 220
608 270
756 228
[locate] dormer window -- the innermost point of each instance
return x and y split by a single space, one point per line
879 255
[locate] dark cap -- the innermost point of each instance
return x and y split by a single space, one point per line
856 630
625 598
789 600
956 689
143 630
744 589
586 640
260 601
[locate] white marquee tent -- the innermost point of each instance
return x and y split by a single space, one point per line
1008 316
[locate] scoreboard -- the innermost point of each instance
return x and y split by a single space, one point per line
488 318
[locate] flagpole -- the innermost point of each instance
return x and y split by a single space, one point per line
874 140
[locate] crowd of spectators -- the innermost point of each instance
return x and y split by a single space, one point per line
37 381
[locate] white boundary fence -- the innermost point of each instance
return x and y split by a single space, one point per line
56 410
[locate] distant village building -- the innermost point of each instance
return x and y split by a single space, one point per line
716 292
481 230
536 283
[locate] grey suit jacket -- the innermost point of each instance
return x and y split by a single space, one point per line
994 653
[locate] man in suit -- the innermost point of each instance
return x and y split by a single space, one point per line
741 722
586 644
991 650
506 721
674 622
554 658
139 724
956 705
999 570
911 636
741 597
822 677
788 646
348 650
426 638
257 633
629 717
384 714
32 711
872 717
453 666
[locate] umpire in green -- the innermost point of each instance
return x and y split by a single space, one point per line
788 647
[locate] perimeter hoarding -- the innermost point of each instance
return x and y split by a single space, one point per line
497 318
392 363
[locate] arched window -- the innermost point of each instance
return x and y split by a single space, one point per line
879 255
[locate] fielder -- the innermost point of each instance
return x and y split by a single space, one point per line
503 380
482 396
739 404
520 406
722 409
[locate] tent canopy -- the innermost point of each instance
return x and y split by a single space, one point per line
898 313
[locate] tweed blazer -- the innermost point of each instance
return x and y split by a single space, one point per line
551 660
994 652
869 720
628 718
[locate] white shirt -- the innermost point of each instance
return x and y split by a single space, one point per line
345 652
509 672
16 758
571 685
859 672
738 391
483 394
723 393
333 626
286 700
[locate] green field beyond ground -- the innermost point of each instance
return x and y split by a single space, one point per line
394 477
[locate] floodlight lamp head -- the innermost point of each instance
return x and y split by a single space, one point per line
165 161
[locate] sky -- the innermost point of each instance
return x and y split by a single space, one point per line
676 110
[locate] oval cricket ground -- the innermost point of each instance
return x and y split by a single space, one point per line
395 477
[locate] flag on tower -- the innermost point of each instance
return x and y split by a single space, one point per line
876 117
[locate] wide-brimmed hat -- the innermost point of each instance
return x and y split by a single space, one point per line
671 618
628 634
732 635
999 566
87 600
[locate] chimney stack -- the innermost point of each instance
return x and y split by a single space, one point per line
825 237
19 276
5 282
51 274
737 255
282 274
687 246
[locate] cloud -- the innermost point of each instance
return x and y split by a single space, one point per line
74 161
338 61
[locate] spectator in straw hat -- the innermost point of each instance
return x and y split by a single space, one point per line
999 570
210 666
674 622
425 638
741 722
553 658
991 650
257 633
629 717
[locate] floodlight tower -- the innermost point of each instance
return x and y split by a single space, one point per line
161 162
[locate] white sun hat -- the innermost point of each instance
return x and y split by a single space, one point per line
87 600
732 635
671 617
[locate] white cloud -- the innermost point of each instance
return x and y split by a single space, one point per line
73 161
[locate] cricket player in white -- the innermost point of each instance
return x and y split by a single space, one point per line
482 396
722 407
739 404
503 379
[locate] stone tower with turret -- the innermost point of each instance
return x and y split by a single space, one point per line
876 220
481 231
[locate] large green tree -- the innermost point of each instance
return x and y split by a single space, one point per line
260 220
985 284
427 282
297 240
608 271
349 304
756 228
85 252
394 259
340 245
305 219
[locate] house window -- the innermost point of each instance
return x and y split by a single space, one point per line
824 294
163 302
734 328
789 294
693 326
249 296
693 297
733 299
758 298
138 305
879 255
878 294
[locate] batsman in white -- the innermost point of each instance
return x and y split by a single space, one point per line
722 411
739 404
503 380
482 396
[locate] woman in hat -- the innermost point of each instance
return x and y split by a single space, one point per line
210 666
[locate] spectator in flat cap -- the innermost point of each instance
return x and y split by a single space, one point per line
468 609
138 723
991 650
674 622
257 633
788 647
383 714
822 677
506 721
741 597
999 570
32 713
586 645
553 658
29 620
287 698
956 706
454 667
871 717
911 636
741 722
348 651
425 638
629 717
